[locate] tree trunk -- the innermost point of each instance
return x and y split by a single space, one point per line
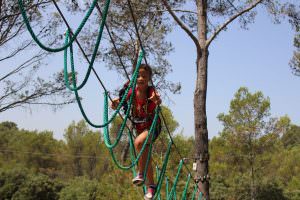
201 133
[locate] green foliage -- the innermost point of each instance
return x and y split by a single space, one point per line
38 187
11 181
243 126
80 188
160 146
219 189
20 184
254 153
84 147
270 191
8 126
169 118
292 191
34 165
292 137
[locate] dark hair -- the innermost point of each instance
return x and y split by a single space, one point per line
125 86
146 68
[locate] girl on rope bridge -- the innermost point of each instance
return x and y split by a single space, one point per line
145 101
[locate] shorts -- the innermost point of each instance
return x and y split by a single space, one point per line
156 131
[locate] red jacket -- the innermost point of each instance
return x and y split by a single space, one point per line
143 109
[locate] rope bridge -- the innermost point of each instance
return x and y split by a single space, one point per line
68 45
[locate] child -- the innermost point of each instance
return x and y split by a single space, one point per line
145 101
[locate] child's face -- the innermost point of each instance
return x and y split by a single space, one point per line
143 79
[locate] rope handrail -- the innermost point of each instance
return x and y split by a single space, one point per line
186 188
83 52
163 118
68 43
142 47
134 77
118 55
91 63
34 37
153 125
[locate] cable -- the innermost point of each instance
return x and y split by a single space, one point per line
113 42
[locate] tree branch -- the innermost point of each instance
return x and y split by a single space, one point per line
173 10
5 38
27 101
12 89
27 63
213 36
35 6
15 52
181 24
37 94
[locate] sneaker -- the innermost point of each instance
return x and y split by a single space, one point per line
150 192
138 180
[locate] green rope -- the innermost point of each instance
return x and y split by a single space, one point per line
195 191
131 85
91 63
157 176
186 188
149 156
68 43
175 195
176 180
34 37
153 125
200 196
120 132
132 151
163 169
167 188
133 162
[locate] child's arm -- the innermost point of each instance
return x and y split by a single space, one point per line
155 97
114 103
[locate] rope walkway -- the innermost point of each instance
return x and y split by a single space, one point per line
70 38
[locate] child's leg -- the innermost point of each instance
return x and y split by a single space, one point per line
150 180
138 143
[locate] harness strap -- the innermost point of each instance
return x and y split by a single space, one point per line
139 120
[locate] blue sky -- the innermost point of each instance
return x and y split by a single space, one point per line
257 58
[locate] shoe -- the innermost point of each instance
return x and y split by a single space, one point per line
150 192
138 180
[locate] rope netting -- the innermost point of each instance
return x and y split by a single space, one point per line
70 37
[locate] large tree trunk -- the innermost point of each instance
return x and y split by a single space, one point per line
201 133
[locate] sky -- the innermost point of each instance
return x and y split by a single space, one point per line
256 58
